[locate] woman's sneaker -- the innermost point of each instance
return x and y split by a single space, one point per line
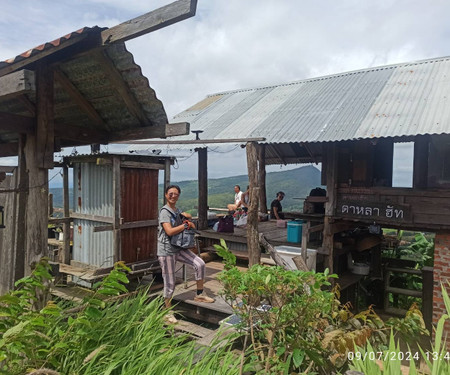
203 298
169 318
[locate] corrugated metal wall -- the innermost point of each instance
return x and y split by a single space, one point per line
139 198
93 195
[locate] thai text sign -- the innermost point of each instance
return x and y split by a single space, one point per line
374 210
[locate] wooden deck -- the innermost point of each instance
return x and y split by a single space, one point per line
276 236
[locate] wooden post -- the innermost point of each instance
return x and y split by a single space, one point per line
427 296
39 157
66 226
45 129
166 177
202 188
262 178
21 210
420 174
254 250
305 239
50 205
116 203
331 180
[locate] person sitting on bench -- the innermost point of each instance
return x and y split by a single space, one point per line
237 199
275 207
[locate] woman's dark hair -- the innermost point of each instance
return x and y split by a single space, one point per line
237 187
171 187
280 193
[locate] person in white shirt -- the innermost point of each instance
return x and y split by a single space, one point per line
237 199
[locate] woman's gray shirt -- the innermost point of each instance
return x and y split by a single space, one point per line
165 248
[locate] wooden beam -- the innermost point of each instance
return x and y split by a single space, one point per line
22 186
96 218
169 130
141 165
7 169
28 104
195 141
330 206
149 22
313 157
16 124
81 134
45 131
278 153
421 156
117 209
9 149
166 178
202 187
78 98
262 178
116 79
66 226
17 83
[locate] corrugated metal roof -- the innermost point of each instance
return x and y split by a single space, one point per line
389 101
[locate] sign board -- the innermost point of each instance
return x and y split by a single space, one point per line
374 210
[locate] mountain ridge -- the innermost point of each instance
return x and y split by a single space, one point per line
295 183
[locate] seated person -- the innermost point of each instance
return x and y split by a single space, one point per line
245 202
275 207
237 199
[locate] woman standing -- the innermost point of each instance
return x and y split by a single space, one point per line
168 254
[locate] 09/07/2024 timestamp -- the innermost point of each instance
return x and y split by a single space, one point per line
398 356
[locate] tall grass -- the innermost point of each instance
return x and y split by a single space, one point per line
130 339
436 361
126 337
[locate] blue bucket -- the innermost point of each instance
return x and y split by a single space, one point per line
294 231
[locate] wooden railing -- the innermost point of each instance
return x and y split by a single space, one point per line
426 294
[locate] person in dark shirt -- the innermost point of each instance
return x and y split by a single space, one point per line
275 207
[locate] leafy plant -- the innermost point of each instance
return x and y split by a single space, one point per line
104 335
370 361
295 321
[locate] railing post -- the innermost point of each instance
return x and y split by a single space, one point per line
427 296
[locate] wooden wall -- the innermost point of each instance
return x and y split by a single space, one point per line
11 263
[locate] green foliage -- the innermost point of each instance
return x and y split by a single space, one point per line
437 360
228 257
305 329
102 336
410 327
420 250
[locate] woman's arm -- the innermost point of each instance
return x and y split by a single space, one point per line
170 230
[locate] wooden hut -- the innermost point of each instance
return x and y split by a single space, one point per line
115 212
350 123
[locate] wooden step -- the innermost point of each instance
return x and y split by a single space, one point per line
192 328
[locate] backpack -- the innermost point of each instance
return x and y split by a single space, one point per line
184 239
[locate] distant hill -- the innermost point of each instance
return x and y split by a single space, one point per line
296 183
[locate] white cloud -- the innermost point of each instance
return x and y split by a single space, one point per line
232 44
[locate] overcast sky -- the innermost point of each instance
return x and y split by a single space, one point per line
233 44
